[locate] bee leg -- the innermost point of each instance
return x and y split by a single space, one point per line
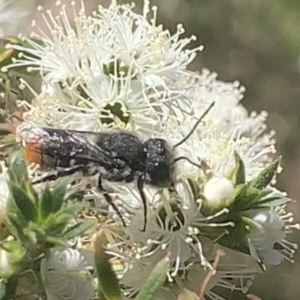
140 185
63 172
109 200
172 190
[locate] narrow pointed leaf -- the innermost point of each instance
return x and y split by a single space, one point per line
246 195
23 202
270 202
16 228
240 176
8 53
56 241
46 204
5 54
2 289
263 193
265 176
78 229
18 167
155 280
67 213
58 195
56 222
239 190
107 279
36 228
195 187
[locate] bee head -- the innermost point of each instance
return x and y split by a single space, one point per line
159 163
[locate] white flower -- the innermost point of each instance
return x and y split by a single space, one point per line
65 274
112 40
234 272
174 224
267 241
118 107
218 192
12 12
228 116
227 128
4 191
115 69
218 153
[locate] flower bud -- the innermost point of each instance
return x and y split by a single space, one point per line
219 192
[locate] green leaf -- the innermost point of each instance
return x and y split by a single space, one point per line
246 195
78 229
56 222
250 224
52 199
7 54
10 288
64 215
2 289
155 280
264 193
239 176
56 241
265 176
107 279
236 238
46 204
195 187
18 168
36 229
187 295
17 227
58 195
270 202
25 205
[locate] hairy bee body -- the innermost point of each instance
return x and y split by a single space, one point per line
116 156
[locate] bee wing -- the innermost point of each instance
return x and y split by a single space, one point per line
59 143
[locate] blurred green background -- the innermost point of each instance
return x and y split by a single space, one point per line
256 42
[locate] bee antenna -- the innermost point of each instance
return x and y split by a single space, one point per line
188 160
195 126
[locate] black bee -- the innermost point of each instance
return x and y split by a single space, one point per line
116 156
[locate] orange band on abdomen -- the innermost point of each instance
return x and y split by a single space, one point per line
33 154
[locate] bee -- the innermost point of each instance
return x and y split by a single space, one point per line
115 156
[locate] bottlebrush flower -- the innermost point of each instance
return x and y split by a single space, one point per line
117 70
